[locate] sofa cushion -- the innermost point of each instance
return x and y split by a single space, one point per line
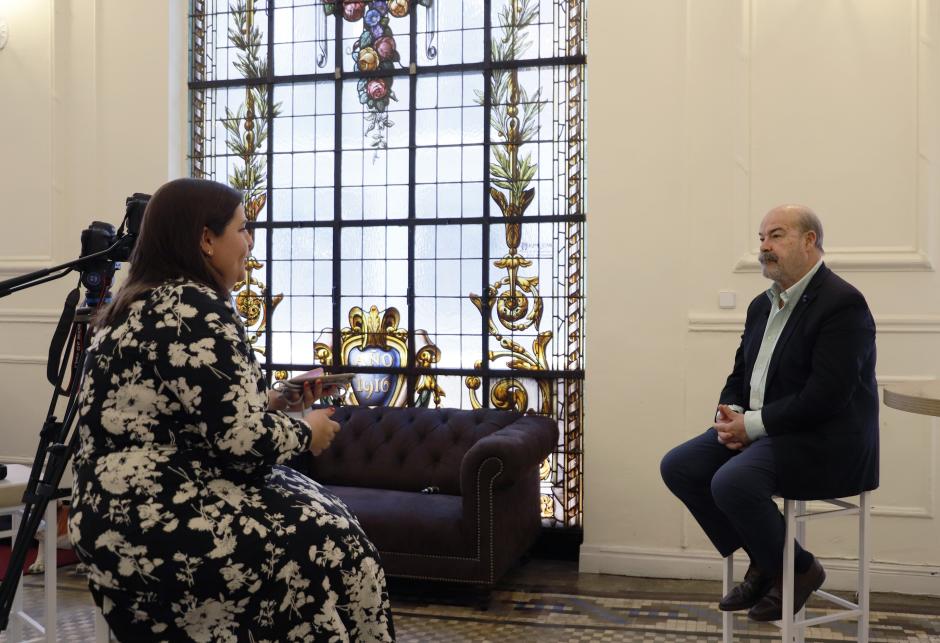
405 449
402 521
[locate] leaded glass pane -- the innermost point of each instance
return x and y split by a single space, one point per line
414 166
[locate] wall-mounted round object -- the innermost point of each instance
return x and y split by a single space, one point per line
4 33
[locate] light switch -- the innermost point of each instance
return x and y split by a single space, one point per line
727 299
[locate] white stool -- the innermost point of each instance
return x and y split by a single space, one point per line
11 504
794 626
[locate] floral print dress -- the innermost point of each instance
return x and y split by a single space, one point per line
191 528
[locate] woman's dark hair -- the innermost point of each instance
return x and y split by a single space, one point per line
168 246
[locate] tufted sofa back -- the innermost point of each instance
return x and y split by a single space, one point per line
406 449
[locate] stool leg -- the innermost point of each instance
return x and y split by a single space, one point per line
49 575
789 553
727 618
16 624
864 580
800 509
102 631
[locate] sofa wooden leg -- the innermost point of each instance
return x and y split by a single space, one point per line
483 597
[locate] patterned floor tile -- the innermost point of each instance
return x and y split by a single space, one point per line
520 615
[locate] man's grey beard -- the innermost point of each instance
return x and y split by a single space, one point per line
764 257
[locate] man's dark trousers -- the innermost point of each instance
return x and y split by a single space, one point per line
729 494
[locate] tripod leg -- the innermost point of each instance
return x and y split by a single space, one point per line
58 441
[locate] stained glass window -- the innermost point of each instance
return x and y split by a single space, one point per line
414 172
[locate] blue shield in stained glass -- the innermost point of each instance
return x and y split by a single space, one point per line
375 389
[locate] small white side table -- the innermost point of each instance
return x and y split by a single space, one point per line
11 504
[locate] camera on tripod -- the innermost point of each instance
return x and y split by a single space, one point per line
98 273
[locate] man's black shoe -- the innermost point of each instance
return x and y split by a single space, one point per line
770 608
748 592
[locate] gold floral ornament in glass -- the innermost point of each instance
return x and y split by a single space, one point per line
250 304
518 305
246 137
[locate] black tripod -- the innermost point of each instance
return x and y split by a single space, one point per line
53 453
101 250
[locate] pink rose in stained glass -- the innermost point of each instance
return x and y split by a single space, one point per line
376 88
385 47
353 10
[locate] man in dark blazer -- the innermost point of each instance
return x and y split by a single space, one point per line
798 416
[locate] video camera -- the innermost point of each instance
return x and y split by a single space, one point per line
102 247
98 237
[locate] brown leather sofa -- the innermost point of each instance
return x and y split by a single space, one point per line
445 494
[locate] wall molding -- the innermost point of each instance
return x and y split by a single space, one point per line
716 323
23 359
897 379
905 324
29 316
16 266
886 576
893 324
915 258
16 459
850 259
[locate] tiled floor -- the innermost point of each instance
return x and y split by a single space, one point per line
551 601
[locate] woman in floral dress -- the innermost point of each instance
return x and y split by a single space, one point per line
191 528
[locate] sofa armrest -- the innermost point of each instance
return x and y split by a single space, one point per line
517 447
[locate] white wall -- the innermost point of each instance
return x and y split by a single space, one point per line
92 109
703 114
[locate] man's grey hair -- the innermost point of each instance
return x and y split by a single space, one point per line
808 221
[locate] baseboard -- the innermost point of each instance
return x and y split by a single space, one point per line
15 459
705 565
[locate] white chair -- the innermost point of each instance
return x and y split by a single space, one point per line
793 627
11 504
